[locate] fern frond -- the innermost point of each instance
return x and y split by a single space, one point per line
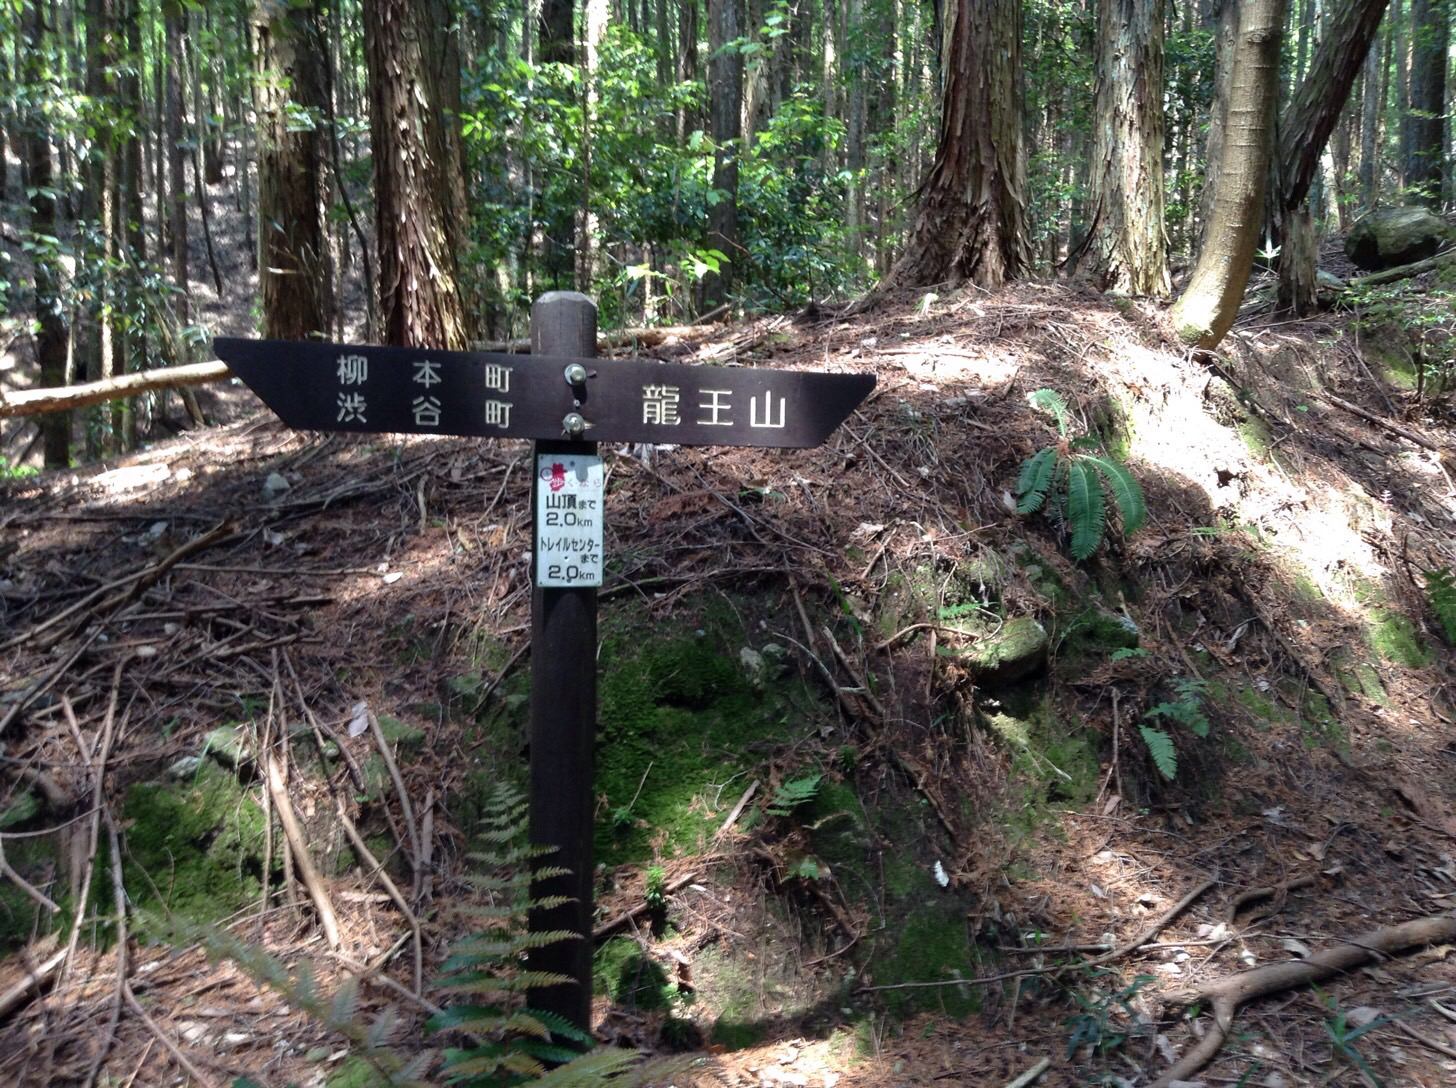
1035 480
590 1070
345 1004
1160 746
1085 510
1052 403
1127 493
501 945
562 1028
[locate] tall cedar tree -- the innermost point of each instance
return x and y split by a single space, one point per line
53 335
1303 132
1430 46
1126 245
725 122
418 183
971 223
1207 308
293 267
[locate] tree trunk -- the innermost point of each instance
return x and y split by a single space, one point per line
419 289
52 339
1207 308
1125 248
175 23
1430 44
293 272
1313 112
1225 27
725 126
1370 131
971 223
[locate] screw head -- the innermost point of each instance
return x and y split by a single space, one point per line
575 374
574 424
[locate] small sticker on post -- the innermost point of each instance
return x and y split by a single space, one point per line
569 515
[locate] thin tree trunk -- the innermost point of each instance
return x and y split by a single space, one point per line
1370 131
725 24
175 16
52 340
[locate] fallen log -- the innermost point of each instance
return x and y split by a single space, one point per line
1226 995
1400 272
29 402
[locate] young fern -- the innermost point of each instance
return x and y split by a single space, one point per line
1072 482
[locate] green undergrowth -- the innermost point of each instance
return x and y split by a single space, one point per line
194 848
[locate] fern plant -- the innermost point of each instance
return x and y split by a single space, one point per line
505 1043
1187 711
1441 596
1072 479
794 792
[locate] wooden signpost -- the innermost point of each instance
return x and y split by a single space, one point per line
567 401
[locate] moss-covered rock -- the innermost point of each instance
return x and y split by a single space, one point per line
1016 651
1389 237
196 847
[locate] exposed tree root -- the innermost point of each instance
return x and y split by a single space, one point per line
1226 995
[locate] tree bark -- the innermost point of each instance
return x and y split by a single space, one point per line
1207 308
1311 116
293 272
52 339
1430 44
419 288
1126 247
1370 131
175 26
971 223
725 126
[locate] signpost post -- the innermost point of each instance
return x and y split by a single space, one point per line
567 401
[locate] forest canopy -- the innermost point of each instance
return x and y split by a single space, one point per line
416 171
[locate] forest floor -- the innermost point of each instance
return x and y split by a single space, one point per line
1295 491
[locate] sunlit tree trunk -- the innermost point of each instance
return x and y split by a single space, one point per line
1207 308
419 286
293 269
1430 46
971 223
1126 248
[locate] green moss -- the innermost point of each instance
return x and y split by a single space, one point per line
1256 437
1394 637
622 972
680 720
932 945
1322 727
195 847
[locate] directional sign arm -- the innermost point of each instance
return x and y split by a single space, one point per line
342 387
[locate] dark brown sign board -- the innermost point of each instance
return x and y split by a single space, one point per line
373 390
568 402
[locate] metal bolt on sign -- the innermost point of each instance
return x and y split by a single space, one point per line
567 401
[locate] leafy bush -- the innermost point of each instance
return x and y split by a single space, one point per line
1068 479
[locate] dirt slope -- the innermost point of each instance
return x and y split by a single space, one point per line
1294 497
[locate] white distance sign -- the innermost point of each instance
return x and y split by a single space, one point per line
569 516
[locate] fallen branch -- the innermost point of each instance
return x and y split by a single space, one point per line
35 980
1226 995
621 920
29 402
298 846
1379 420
